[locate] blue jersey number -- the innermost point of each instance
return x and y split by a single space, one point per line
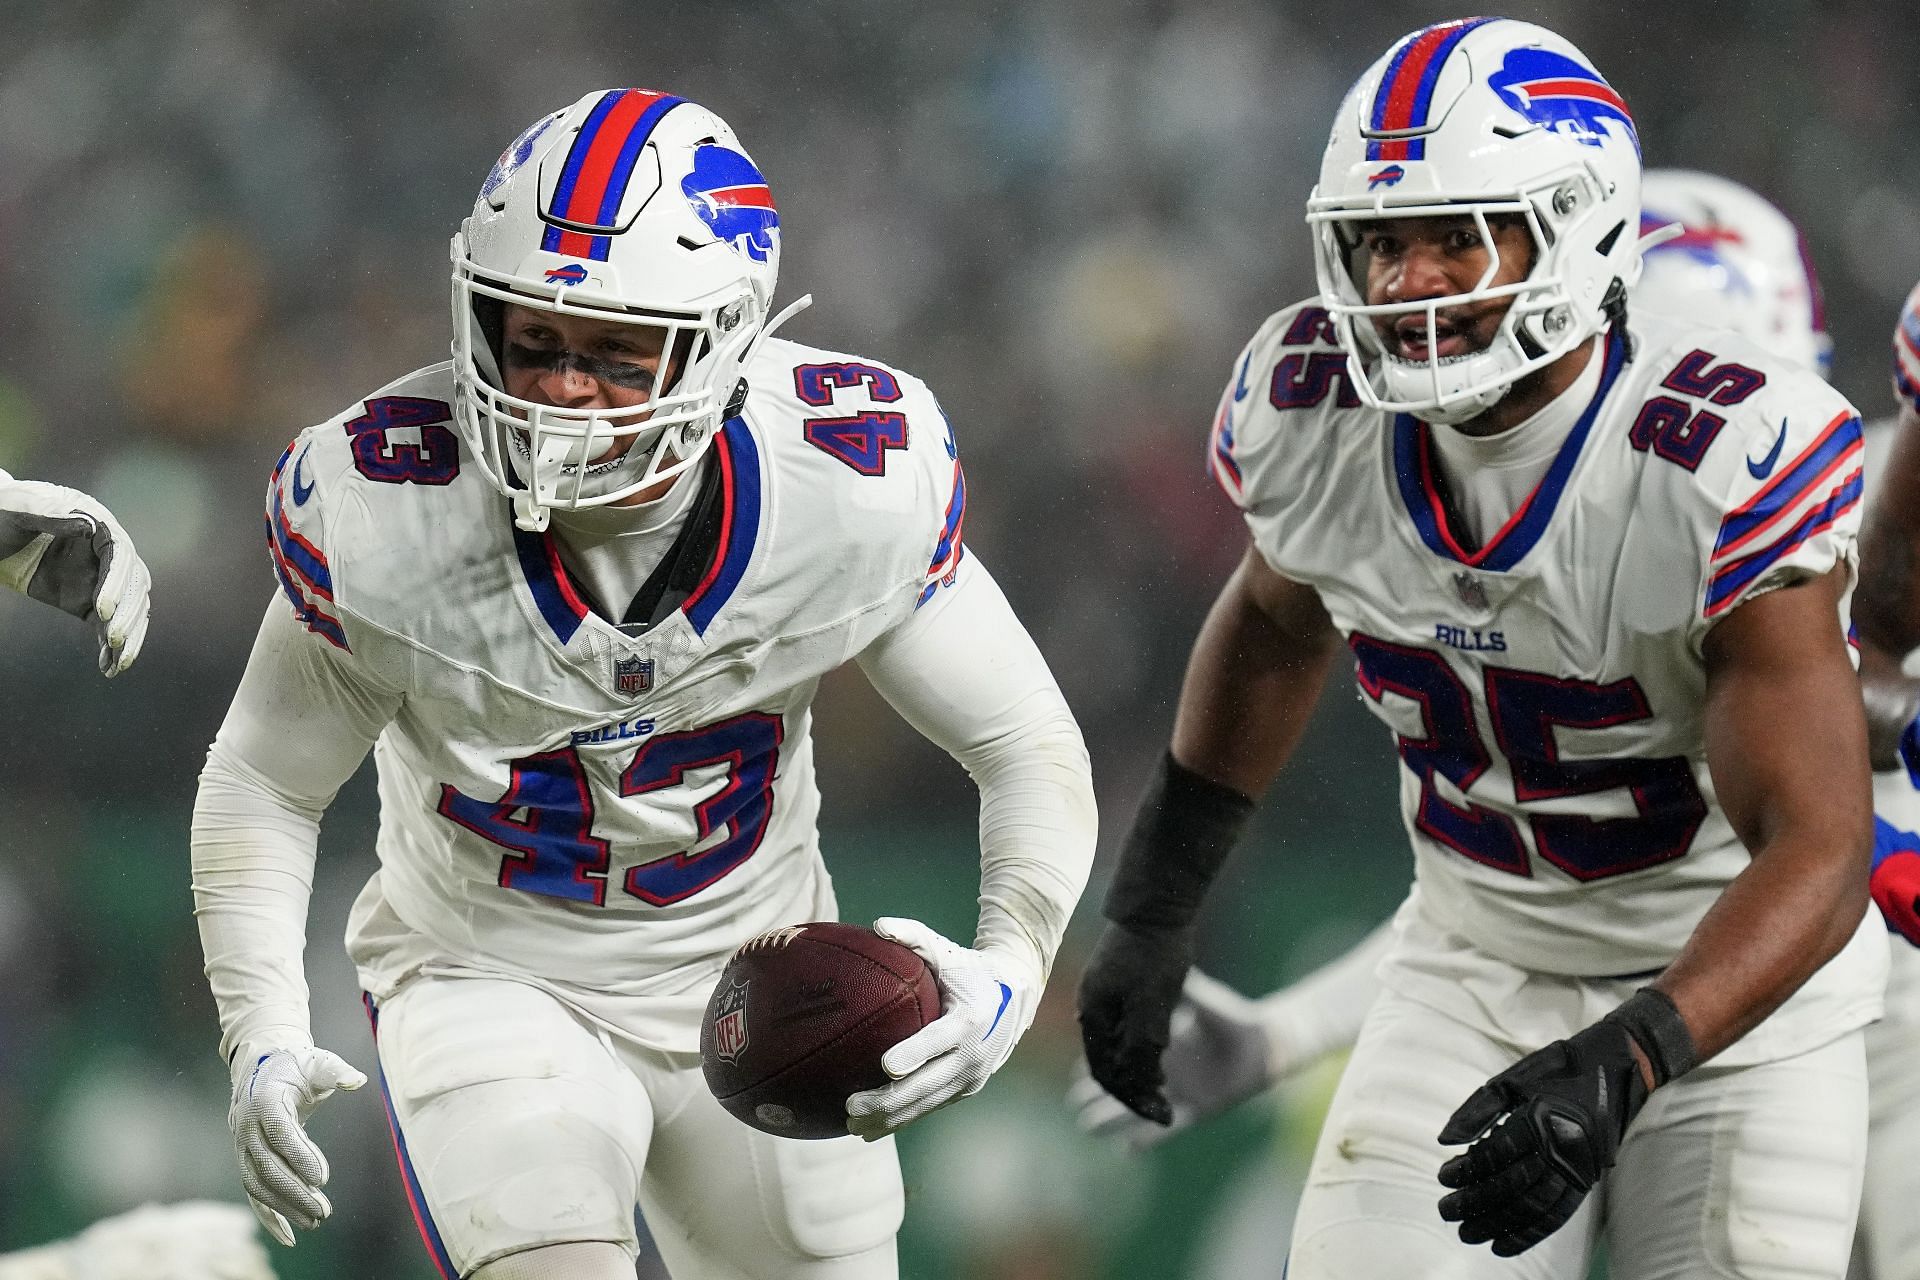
1674 429
862 440
1525 708
435 460
546 815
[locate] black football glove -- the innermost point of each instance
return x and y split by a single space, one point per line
1127 995
1557 1117
1185 827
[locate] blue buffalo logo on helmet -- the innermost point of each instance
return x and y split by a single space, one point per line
1562 94
732 199
572 273
1387 177
518 152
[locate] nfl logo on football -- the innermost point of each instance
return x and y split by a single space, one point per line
730 1023
633 676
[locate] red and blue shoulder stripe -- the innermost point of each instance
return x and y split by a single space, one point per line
1821 485
299 565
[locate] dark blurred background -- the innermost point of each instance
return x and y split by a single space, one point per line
221 221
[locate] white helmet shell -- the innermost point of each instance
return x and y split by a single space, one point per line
632 206
1482 117
1738 263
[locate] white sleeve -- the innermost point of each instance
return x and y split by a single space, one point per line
1322 1012
300 724
968 677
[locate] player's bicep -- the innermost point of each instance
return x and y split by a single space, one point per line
1785 734
302 718
963 671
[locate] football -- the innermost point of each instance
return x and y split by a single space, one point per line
799 1019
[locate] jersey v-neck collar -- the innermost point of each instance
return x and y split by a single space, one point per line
737 456
1422 493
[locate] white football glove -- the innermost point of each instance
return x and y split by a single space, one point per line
275 1089
193 1240
61 547
986 1001
1220 1054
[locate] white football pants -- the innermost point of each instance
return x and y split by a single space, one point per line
1889 1243
518 1125
1752 1172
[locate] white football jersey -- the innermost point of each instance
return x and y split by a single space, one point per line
1547 688
604 813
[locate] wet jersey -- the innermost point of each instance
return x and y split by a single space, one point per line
561 799
1546 688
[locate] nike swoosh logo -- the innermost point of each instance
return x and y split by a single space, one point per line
1762 469
1006 994
301 492
1240 387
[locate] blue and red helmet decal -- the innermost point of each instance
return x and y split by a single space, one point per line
518 152
1387 177
572 273
599 165
1404 98
732 198
1562 94
1703 244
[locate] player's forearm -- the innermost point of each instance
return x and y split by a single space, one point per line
1799 800
965 673
253 857
1786 915
1255 675
1037 827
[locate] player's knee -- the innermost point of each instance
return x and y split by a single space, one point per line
590 1260
514 1167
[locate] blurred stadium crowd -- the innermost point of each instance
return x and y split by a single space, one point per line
221 220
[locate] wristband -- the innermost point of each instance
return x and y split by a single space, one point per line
1186 826
1654 1022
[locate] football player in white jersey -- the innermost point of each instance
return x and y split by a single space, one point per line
62 547
1737 263
1588 565
576 590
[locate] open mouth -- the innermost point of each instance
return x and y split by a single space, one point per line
1446 338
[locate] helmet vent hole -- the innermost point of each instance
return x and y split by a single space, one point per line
1605 246
685 243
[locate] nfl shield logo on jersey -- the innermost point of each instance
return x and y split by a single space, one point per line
730 1023
1473 592
632 676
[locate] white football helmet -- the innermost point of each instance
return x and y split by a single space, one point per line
628 205
1483 117
1738 263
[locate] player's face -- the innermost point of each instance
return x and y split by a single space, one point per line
1411 259
578 362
